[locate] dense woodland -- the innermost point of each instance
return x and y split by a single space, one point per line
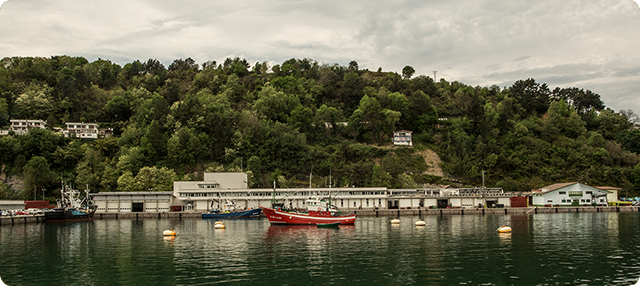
288 121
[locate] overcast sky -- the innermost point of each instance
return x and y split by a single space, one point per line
565 43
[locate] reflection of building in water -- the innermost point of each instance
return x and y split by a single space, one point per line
219 188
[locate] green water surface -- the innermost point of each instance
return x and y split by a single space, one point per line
544 249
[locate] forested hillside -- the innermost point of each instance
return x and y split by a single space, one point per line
288 121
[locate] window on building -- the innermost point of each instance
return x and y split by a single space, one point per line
562 193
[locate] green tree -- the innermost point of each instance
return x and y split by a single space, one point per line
34 103
127 183
274 105
37 176
155 179
380 178
408 71
532 96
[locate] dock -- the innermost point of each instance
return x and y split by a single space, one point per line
486 211
27 219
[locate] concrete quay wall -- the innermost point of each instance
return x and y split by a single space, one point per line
147 215
480 211
21 219
26 219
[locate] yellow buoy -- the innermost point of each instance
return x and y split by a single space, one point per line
420 223
169 232
219 225
504 229
395 221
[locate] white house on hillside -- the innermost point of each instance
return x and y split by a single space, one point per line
81 130
22 126
569 194
402 137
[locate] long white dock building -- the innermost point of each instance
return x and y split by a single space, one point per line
217 188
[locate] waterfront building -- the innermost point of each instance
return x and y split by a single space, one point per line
612 195
12 205
128 202
220 188
569 194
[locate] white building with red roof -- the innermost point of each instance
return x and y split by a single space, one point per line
569 194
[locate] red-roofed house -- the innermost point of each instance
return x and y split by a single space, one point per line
569 194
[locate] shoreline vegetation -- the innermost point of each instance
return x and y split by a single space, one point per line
300 123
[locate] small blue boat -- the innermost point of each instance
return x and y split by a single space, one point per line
252 213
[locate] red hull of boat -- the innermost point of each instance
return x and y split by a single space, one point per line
280 217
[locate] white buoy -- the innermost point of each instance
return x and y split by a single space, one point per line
219 225
420 223
637 283
504 229
168 232
395 221
2 283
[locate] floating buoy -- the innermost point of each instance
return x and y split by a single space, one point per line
420 223
395 221
219 225
2 283
504 229
169 232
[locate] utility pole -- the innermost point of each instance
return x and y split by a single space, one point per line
310 176
484 191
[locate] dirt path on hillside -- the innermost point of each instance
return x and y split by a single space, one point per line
433 161
430 157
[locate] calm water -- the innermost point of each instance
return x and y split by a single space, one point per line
544 249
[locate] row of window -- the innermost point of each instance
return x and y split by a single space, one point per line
575 193
366 203
209 186
575 200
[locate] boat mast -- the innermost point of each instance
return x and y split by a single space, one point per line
273 201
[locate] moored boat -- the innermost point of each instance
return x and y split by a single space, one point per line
71 207
252 213
332 224
282 217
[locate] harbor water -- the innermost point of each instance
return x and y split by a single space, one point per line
543 249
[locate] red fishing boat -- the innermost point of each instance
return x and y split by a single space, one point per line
316 213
